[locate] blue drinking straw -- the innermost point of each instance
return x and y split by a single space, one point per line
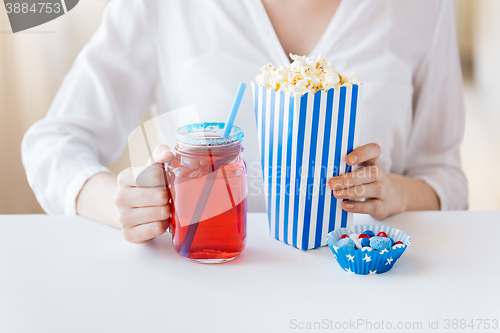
234 109
210 182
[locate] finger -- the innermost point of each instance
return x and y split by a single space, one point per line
145 232
367 154
161 154
372 190
365 175
153 175
131 217
374 207
142 197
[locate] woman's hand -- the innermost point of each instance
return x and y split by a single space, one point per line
143 199
381 191
385 193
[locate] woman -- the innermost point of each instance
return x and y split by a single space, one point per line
181 52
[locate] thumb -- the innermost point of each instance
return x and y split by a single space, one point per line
161 154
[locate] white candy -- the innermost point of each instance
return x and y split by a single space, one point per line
356 240
305 74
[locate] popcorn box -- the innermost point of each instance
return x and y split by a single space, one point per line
303 141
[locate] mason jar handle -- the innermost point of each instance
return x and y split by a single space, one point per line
167 186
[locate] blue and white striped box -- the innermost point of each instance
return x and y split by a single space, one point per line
303 142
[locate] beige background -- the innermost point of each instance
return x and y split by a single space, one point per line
33 65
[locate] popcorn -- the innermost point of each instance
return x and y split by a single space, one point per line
305 74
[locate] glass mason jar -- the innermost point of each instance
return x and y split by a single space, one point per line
208 186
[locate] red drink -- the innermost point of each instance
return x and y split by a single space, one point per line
207 180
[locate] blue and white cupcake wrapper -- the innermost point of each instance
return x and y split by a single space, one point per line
303 141
366 260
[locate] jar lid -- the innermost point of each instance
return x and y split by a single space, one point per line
207 134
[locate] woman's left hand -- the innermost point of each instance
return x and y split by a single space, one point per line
381 190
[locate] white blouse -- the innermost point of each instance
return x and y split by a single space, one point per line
181 52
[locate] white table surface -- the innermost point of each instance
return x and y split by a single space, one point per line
69 274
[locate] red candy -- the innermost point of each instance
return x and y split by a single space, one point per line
363 236
344 236
382 234
398 242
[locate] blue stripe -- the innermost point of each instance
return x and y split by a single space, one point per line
270 164
310 171
352 123
288 168
350 139
256 105
279 166
263 131
338 150
298 165
324 166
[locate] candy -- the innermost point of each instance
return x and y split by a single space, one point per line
367 239
369 233
354 236
355 239
380 243
345 243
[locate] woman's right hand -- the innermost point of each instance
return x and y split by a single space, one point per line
142 199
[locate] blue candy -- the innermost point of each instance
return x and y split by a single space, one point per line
365 242
345 243
369 233
392 241
380 243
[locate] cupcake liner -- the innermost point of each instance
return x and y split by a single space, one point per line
366 260
303 141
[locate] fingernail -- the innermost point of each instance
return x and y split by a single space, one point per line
348 206
353 158
335 182
165 152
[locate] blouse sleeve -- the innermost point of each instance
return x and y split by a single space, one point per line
104 96
439 116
